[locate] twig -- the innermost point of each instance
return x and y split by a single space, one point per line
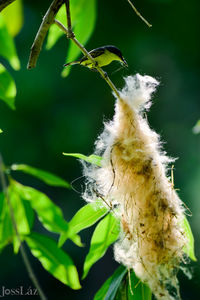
22 249
139 14
87 54
5 3
129 280
44 27
69 23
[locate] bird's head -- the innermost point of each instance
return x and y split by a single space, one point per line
117 52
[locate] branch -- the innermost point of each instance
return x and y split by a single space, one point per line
40 36
71 36
69 23
22 250
5 3
139 14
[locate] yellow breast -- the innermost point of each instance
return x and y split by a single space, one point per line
103 60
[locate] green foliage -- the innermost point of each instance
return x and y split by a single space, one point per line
24 218
7 49
11 20
110 287
47 177
106 233
196 128
7 87
189 249
49 214
23 212
13 17
92 159
84 218
6 229
53 259
135 289
119 286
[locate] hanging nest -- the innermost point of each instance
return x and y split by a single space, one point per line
133 176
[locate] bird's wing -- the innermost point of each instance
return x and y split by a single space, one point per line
97 52
94 53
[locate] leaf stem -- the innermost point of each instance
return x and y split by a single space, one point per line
22 249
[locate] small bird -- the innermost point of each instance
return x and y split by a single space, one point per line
103 56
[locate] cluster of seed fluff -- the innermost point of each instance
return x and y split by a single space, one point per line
133 177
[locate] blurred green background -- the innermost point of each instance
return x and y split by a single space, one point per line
55 115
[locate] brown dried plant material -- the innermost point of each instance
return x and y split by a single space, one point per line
134 176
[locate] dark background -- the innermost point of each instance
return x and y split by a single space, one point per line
55 115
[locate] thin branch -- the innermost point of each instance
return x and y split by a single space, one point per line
139 14
87 54
40 36
69 23
22 249
5 3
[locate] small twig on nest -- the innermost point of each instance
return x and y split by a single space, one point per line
40 36
5 3
139 14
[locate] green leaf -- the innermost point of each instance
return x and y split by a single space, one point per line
49 214
13 17
54 259
7 49
138 290
84 218
7 87
47 177
189 249
111 285
106 233
196 128
24 218
6 229
54 32
23 212
92 159
1 131
83 20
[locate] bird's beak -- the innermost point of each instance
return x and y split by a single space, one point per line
124 62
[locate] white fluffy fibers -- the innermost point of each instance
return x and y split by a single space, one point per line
133 176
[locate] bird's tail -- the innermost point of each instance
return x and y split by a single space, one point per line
71 63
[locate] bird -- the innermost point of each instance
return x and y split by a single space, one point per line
103 56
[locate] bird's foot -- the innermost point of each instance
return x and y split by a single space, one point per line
105 75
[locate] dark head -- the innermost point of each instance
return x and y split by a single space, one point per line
116 51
